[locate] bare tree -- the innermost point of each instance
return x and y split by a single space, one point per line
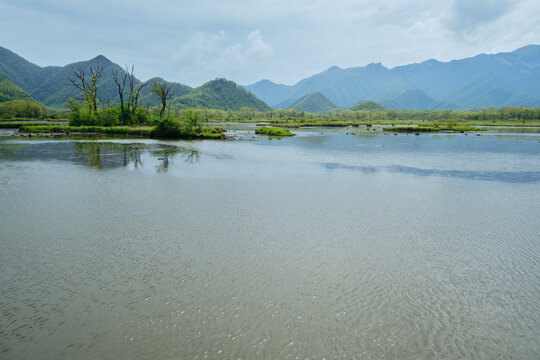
87 85
128 107
164 93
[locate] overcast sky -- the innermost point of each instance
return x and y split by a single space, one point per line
282 40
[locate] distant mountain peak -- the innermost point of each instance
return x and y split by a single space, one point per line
368 105
375 65
315 103
100 59
222 94
334 68
431 62
529 50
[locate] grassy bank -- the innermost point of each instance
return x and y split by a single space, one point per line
65 129
336 122
139 131
325 123
273 131
17 124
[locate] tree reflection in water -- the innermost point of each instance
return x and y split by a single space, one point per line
101 155
167 153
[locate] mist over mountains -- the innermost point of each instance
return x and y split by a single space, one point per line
503 79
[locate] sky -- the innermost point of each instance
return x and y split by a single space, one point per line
285 41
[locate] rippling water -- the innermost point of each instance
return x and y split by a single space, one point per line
319 246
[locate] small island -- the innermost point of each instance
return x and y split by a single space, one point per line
273 131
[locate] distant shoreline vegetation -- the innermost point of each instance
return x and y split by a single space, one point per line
86 114
196 123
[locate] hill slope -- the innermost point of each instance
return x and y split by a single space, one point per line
51 86
9 91
368 105
503 79
315 103
221 94
416 100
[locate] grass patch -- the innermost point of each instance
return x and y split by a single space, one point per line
112 130
273 131
292 124
16 125
165 131
424 129
185 128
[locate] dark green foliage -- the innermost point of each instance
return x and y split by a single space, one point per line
171 128
9 91
315 103
111 116
187 126
112 130
273 131
368 106
27 108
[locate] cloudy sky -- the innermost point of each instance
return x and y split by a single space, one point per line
282 40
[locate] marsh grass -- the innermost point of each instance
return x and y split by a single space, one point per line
425 122
114 130
273 131
424 129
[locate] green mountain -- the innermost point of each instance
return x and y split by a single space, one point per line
51 86
315 103
369 105
503 79
23 73
220 94
10 91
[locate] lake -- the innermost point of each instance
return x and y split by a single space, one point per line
322 246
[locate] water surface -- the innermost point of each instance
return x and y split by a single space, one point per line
325 245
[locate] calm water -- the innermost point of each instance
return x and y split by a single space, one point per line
330 245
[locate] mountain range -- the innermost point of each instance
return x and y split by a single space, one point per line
503 79
51 86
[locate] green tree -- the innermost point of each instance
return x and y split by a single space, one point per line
128 92
87 83
164 93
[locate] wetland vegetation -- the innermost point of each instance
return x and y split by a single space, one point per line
273 131
85 113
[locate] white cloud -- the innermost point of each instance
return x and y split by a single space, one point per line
214 55
466 16
196 41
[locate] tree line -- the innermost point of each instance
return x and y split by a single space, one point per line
84 108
